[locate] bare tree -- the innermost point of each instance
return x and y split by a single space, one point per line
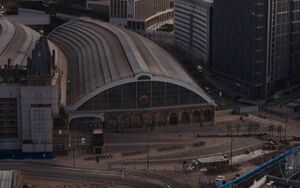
256 128
279 130
229 129
238 126
251 128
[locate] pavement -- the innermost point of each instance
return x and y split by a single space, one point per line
161 164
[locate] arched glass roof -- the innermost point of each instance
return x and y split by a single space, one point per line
102 56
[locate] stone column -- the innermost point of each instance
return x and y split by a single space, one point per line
202 117
179 116
167 118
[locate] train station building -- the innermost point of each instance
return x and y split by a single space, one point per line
102 77
130 79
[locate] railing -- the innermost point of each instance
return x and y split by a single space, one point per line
251 173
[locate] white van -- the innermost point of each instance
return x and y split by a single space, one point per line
219 180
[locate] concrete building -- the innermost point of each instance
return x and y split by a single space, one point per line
73 3
141 14
99 6
31 90
11 179
30 17
192 25
256 46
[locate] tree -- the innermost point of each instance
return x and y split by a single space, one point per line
250 128
279 130
238 126
256 128
229 129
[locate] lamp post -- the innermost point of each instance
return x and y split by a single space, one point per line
231 147
73 156
231 142
148 155
148 150
286 122
71 148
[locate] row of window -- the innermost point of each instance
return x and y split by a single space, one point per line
174 118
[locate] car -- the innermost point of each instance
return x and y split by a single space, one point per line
220 180
275 97
199 69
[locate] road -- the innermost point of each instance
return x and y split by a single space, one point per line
180 157
60 173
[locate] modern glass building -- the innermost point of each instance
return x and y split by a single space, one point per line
192 25
256 45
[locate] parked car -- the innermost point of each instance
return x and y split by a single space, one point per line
219 180
199 69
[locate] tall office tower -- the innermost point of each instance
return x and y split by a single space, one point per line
73 3
295 43
256 44
100 6
192 23
140 14
284 44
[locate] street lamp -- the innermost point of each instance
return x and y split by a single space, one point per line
71 148
231 142
148 151
148 156
286 122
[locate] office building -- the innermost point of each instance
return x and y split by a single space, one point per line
256 46
99 6
141 14
192 25
31 90
73 3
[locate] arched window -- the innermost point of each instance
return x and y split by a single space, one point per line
142 94
149 120
125 122
160 120
144 77
173 118
185 118
112 122
137 121
196 117
208 115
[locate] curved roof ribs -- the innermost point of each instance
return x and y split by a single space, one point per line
110 56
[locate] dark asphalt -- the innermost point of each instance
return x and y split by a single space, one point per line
131 179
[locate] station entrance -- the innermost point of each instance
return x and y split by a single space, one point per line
86 135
